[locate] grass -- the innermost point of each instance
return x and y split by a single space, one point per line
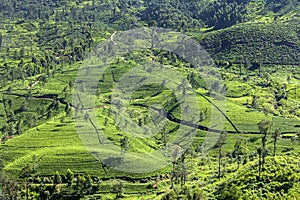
58 143
64 150
244 118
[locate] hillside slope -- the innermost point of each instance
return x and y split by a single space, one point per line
256 50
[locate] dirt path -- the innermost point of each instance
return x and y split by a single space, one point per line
33 84
169 116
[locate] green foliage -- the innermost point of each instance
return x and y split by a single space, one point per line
222 14
255 47
276 180
57 178
170 14
118 188
279 41
232 192
70 177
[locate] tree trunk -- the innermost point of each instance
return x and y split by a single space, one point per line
219 163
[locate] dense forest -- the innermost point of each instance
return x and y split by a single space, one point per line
237 112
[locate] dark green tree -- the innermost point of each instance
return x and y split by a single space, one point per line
70 177
1 40
264 127
276 134
19 127
80 183
22 52
254 103
57 178
88 184
124 143
220 143
118 189
23 106
237 152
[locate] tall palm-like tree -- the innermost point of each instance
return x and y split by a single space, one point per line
264 127
220 143
276 134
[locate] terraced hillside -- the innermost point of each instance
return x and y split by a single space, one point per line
153 124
